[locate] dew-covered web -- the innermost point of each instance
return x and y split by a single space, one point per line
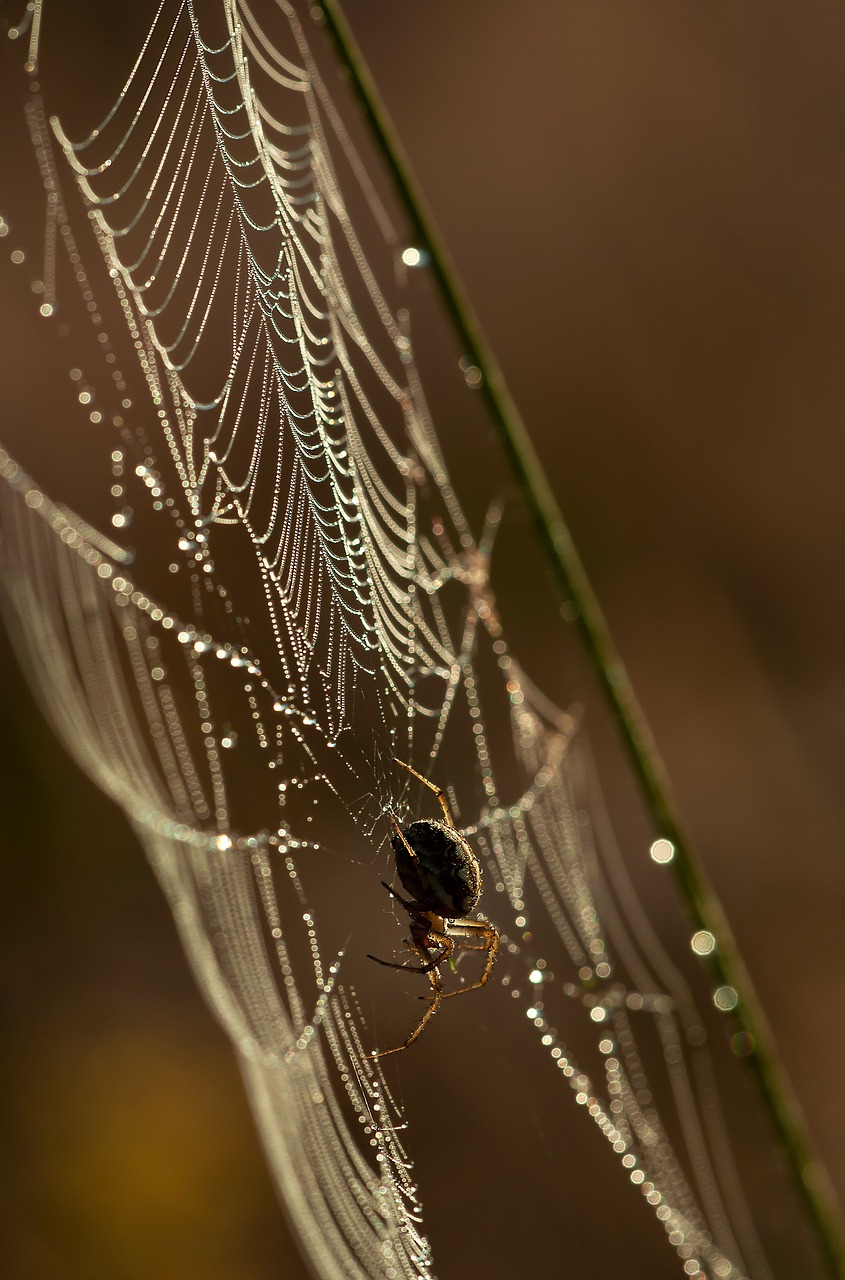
289 596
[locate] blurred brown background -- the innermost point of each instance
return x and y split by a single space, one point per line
646 204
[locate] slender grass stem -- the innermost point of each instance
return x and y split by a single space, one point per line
577 594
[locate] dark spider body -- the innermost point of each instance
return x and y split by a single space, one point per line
440 872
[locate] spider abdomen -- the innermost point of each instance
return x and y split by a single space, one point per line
443 874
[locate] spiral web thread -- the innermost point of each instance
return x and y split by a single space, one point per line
282 425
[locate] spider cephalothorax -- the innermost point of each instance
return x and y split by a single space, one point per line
439 870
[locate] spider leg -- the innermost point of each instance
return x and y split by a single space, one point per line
448 948
424 937
436 1000
409 968
471 929
432 786
440 940
401 834
409 906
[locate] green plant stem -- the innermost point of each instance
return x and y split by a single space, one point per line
577 594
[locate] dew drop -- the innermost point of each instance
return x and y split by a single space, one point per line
412 256
662 851
742 1044
472 374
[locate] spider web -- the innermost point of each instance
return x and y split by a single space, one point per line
305 598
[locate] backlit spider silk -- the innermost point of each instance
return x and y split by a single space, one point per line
276 590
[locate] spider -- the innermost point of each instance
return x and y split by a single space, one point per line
441 873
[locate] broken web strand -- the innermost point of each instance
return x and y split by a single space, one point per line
725 960
519 838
